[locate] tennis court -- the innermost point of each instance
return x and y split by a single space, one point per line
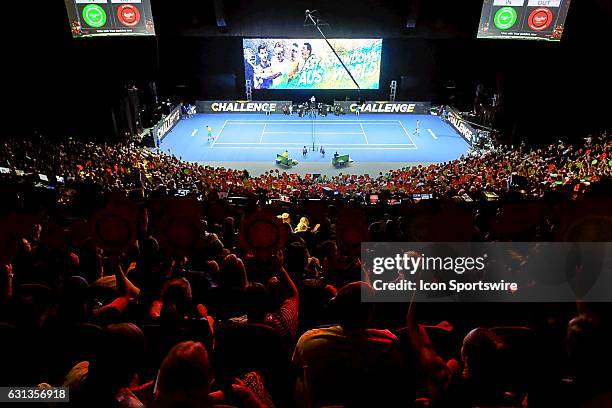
366 138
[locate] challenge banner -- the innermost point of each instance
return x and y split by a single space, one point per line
241 106
167 124
464 129
487 271
420 108
311 64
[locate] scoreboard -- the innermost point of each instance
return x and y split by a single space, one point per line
94 18
523 19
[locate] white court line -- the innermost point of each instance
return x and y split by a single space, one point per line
318 122
262 133
407 134
380 124
433 134
364 134
289 133
218 135
310 133
301 144
257 144
330 146
194 132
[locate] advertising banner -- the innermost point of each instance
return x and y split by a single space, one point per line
241 106
465 130
420 108
167 124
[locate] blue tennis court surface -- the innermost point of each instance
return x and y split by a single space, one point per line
366 138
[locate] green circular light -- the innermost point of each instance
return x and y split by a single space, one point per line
94 15
505 18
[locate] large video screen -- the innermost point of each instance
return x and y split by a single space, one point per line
311 64
523 19
94 18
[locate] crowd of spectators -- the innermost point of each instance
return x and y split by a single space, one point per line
124 166
218 323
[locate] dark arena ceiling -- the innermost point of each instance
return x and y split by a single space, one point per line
381 18
372 18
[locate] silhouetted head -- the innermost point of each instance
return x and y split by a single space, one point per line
351 311
481 353
184 377
233 273
177 298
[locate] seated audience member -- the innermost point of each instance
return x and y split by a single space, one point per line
482 380
73 303
588 343
229 232
285 218
147 272
350 363
6 283
281 313
299 262
185 378
105 381
303 225
90 261
228 297
176 303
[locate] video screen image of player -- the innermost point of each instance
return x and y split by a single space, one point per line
311 64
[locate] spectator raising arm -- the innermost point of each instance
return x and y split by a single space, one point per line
438 372
125 287
285 319
6 282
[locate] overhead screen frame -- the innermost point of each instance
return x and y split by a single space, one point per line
532 20
311 79
110 18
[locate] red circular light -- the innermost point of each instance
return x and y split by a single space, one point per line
128 15
540 19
